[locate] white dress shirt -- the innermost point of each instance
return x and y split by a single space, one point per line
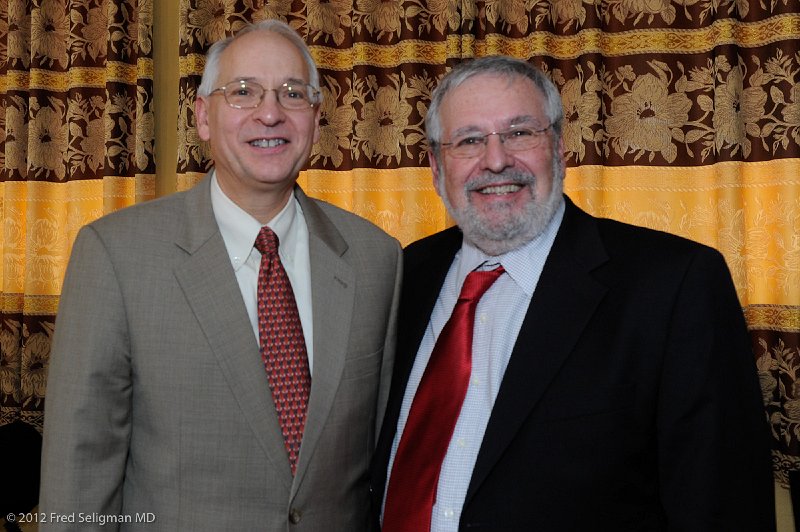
498 320
239 231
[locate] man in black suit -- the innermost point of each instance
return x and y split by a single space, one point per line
611 384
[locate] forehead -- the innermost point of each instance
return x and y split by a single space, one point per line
491 102
263 56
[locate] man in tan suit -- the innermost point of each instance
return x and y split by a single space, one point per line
159 409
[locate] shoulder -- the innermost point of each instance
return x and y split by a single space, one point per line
350 221
159 215
447 237
321 216
444 244
149 231
635 249
627 239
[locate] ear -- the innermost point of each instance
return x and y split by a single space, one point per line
434 170
201 118
317 115
560 147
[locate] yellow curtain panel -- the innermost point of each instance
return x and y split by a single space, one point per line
76 141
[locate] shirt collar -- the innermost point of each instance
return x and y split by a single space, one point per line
239 229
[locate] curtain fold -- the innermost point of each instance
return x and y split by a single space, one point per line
76 142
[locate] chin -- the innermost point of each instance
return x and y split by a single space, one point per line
496 233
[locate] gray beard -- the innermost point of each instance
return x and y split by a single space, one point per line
511 232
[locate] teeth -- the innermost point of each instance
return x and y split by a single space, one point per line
500 189
267 143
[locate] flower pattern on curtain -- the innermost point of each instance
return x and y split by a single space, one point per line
681 115
76 142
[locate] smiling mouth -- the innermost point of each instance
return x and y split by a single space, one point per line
267 143
499 189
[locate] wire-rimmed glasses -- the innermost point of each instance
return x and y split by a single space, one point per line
245 94
515 138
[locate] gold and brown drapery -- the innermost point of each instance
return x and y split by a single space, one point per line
76 141
681 115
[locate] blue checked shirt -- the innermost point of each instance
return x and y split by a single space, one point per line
498 320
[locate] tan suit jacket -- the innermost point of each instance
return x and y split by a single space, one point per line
158 407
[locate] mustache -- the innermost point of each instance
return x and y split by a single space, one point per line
509 176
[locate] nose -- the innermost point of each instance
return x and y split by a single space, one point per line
269 112
496 158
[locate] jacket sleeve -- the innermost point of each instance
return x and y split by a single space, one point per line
713 444
88 403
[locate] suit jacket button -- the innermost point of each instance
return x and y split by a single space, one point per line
294 516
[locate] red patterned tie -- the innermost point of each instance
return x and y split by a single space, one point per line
283 347
434 411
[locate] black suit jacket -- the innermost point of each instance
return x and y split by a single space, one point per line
631 400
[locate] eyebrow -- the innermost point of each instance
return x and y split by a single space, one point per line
296 81
515 121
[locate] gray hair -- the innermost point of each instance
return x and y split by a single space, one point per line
211 70
507 67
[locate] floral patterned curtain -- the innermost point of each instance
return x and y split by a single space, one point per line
681 115
76 142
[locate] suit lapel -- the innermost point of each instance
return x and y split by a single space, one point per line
211 289
422 282
563 303
333 287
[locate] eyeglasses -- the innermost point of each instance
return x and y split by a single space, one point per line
243 94
515 138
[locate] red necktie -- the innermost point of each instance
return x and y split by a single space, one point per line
434 411
283 347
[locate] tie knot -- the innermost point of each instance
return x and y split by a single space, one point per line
478 282
267 241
